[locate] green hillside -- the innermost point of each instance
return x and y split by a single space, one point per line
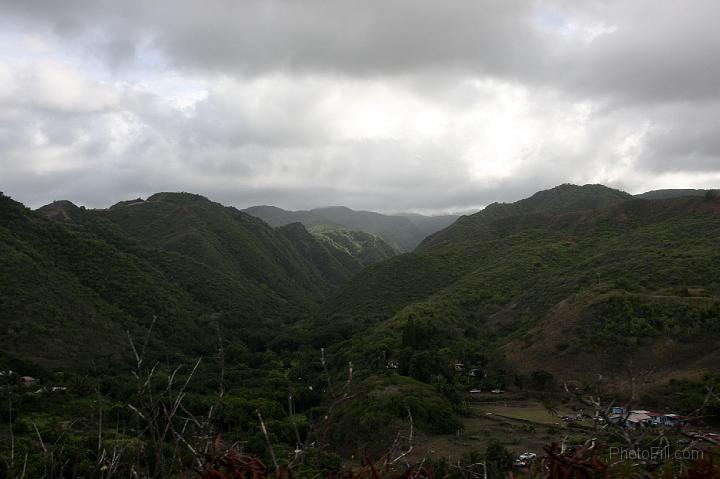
550 276
77 284
671 193
68 295
367 248
73 285
528 212
333 261
567 286
222 238
559 275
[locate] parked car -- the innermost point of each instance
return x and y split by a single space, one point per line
525 459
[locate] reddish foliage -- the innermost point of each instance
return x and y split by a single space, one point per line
233 465
705 468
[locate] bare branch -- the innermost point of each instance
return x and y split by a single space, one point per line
269 444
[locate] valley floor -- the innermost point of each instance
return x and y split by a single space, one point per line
520 425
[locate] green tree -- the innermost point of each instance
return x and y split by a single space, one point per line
542 381
497 461
410 334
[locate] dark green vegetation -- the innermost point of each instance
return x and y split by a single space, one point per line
72 288
673 193
556 289
574 280
76 285
403 232
366 248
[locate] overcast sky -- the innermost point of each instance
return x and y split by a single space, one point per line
386 105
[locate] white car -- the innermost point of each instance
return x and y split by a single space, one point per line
525 459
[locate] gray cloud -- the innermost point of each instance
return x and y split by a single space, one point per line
256 36
402 105
657 52
685 139
637 50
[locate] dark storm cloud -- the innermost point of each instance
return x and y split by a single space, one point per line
257 36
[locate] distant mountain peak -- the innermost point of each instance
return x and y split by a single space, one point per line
178 198
339 208
565 198
557 201
399 231
121 204
63 210
590 188
672 193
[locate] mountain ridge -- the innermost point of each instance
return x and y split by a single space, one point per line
501 275
176 256
402 232
673 193
572 284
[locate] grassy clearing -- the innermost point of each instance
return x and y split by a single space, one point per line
519 425
532 412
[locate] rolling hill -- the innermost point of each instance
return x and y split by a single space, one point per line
671 193
576 280
75 280
564 276
68 296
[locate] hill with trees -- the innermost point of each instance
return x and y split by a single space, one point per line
673 193
326 336
111 306
75 280
403 232
575 280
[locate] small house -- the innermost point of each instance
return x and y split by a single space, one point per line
639 418
672 420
